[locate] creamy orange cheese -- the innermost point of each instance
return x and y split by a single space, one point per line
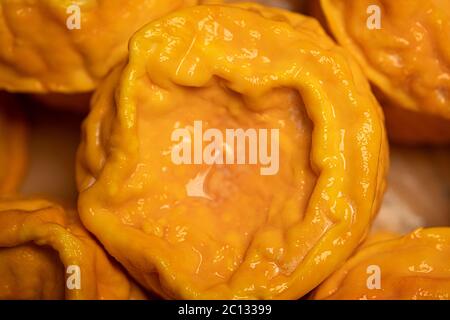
413 267
45 253
31 272
224 230
66 46
408 57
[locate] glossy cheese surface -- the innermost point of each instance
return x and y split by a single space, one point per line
412 267
40 247
43 49
225 230
408 58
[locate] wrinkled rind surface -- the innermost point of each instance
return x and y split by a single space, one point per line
31 272
408 58
415 266
349 150
13 144
40 54
31 232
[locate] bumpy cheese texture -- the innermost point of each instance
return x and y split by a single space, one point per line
415 266
30 272
224 230
39 53
39 245
407 60
13 144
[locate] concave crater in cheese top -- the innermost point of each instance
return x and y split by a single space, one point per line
226 231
